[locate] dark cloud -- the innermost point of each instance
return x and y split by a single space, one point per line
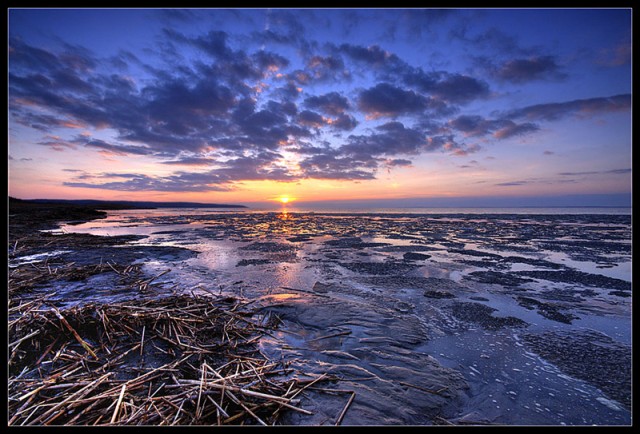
579 107
344 122
332 166
533 68
311 119
511 129
446 87
387 100
493 40
500 128
181 181
333 63
472 125
213 43
392 138
398 162
117 149
372 56
460 89
191 161
512 183
270 61
322 68
57 144
39 121
598 172
256 167
331 103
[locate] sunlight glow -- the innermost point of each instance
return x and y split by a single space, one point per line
285 199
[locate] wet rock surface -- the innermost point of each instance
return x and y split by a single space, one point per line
483 315
411 256
591 356
498 278
547 310
578 277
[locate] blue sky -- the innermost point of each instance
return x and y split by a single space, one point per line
247 105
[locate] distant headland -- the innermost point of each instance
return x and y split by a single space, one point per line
116 204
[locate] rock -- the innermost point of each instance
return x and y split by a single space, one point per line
498 278
411 256
438 294
547 310
482 315
590 356
379 268
245 262
402 306
578 277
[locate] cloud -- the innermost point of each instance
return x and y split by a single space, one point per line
398 162
331 103
56 143
182 181
392 138
332 166
597 172
511 129
615 56
512 183
344 122
500 128
311 119
191 161
117 149
529 69
372 55
230 110
257 167
460 89
578 107
387 100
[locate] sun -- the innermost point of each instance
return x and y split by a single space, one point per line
285 199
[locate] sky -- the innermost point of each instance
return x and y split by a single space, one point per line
245 106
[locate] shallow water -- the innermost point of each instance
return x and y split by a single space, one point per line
353 304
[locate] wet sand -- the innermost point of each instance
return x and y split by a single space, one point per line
452 319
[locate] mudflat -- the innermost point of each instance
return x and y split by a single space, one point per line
395 319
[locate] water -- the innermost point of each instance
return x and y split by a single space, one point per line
338 272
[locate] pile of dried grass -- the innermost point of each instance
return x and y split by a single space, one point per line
25 277
180 360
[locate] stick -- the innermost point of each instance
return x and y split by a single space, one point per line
233 397
26 337
142 340
77 395
47 351
347 332
305 291
344 410
435 392
115 410
85 345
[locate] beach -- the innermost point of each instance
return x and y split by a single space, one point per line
378 319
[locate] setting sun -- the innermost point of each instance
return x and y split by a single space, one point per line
285 199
